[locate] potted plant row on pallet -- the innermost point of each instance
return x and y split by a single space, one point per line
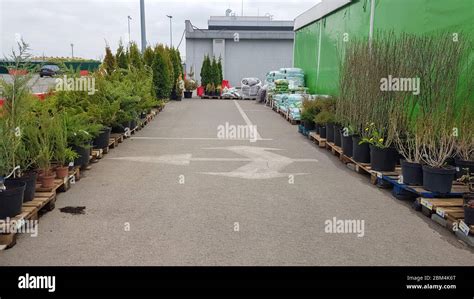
41 140
211 76
428 121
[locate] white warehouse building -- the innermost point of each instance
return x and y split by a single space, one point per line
249 46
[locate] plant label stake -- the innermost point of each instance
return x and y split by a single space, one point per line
441 212
464 227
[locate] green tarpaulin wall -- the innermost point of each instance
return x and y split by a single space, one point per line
325 37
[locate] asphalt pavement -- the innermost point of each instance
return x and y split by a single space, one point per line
179 194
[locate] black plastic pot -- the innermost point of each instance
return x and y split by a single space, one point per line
11 199
412 173
133 124
461 166
468 212
438 180
308 125
102 140
188 94
360 152
337 135
383 159
322 132
121 128
330 132
30 185
142 115
316 128
83 155
346 142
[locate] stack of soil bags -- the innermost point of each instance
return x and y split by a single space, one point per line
294 103
230 93
295 77
250 87
281 86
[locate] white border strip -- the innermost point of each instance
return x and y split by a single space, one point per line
318 11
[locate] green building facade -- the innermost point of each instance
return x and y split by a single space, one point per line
319 44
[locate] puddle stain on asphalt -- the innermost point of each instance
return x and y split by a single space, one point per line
73 210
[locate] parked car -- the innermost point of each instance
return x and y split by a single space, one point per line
49 70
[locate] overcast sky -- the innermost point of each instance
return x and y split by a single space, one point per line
50 26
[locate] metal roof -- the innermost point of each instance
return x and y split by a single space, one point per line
318 11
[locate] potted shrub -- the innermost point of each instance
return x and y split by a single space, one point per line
218 90
383 157
11 192
16 158
179 88
63 154
209 89
189 86
327 117
346 140
309 111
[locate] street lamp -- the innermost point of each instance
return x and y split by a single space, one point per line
171 31
72 51
129 38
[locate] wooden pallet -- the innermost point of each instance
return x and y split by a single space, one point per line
118 137
321 142
336 150
97 154
210 97
43 202
229 98
457 190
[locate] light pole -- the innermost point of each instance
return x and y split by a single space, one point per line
171 31
129 37
72 51
142 21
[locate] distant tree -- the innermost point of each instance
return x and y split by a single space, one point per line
161 75
170 67
135 57
121 57
148 56
219 70
214 72
177 68
109 63
205 71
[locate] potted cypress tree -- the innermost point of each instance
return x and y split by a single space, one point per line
11 192
15 118
62 154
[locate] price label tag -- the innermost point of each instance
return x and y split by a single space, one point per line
441 212
71 164
72 180
464 227
426 203
400 179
